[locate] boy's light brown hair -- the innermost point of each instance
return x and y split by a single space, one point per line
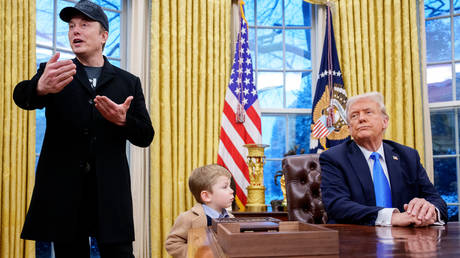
203 178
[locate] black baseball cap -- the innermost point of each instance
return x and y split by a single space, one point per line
88 9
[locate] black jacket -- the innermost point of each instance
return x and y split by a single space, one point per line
78 139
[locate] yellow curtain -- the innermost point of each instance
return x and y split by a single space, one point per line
378 47
190 68
17 127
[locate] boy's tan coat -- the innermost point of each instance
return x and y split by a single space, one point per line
176 242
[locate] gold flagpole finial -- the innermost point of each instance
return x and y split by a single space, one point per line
242 11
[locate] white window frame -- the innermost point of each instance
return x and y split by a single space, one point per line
289 112
449 105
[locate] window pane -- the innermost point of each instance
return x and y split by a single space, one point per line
270 89
45 22
445 181
40 121
274 133
272 190
62 40
112 47
94 249
443 132
299 134
456 6
439 81
438 40
66 55
115 63
297 13
436 7
270 49
42 249
457 80
298 49
252 46
452 212
42 55
457 36
458 119
112 4
298 90
249 11
269 13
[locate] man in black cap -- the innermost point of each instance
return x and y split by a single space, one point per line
82 185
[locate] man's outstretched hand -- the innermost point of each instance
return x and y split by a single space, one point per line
56 76
115 113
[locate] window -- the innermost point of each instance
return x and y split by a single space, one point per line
52 38
442 23
280 42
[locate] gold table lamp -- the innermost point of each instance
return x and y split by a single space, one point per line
256 188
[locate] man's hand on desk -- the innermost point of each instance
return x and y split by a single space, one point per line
419 212
422 210
403 219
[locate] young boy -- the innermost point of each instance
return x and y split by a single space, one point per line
210 185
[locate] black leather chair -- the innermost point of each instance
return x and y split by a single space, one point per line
303 178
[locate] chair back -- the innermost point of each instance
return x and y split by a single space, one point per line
303 179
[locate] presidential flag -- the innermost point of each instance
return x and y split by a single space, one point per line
241 122
329 126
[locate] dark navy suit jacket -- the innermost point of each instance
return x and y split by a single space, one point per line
348 190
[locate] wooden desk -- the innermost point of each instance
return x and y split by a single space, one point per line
369 241
281 215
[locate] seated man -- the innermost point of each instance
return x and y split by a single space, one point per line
372 181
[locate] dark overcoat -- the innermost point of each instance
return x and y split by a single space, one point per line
76 133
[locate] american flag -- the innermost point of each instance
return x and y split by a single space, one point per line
319 129
241 117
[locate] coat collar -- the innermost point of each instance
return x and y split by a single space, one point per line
200 219
107 74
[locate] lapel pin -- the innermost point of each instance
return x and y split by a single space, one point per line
395 157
